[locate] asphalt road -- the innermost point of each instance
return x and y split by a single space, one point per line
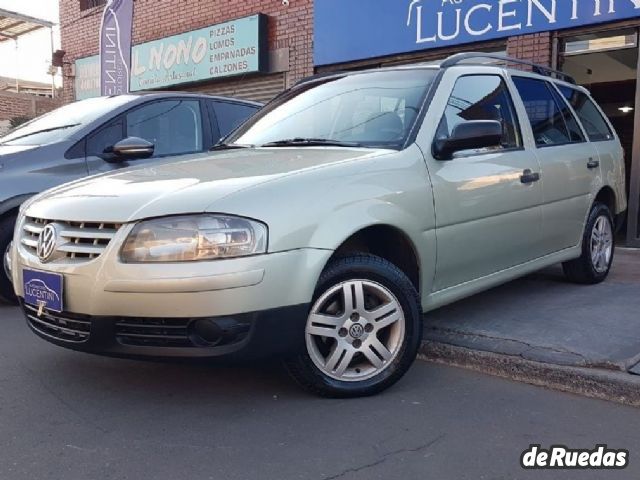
66 415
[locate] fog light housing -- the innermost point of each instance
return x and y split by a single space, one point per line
212 332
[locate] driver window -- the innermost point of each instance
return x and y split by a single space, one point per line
481 97
173 126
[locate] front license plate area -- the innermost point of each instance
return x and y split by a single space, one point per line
43 290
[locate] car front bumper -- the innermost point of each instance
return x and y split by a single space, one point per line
258 304
274 332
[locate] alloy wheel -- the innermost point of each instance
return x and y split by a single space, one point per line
355 330
601 244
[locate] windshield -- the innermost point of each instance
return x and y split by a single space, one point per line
373 109
63 122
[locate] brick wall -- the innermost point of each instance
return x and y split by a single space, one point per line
535 48
14 105
44 105
289 27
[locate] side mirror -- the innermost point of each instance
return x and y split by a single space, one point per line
131 148
470 135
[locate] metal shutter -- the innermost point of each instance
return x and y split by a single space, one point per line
257 88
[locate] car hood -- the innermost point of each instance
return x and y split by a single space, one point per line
6 150
191 185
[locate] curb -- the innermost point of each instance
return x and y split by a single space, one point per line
602 384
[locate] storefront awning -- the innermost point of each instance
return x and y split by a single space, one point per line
14 25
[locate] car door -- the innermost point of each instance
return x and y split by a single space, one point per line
230 115
488 202
601 135
174 126
564 156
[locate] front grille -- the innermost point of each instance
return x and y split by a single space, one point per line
81 241
163 332
63 326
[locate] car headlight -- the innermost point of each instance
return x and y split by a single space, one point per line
194 238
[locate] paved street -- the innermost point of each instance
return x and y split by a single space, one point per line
76 416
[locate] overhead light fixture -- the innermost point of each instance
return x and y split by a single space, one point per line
626 109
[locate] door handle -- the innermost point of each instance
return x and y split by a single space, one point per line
529 177
591 164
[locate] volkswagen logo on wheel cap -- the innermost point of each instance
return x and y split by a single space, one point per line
356 330
47 242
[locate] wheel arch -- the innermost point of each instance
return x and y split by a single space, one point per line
388 242
12 205
607 196
9 213
379 227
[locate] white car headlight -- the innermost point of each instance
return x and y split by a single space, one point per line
194 238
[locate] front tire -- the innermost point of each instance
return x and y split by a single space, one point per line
6 235
363 331
598 248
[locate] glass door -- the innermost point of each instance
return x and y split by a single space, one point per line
607 64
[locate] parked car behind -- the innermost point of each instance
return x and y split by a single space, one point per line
342 211
103 134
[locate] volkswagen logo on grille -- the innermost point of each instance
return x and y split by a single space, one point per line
47 242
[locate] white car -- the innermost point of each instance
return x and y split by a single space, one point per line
329 223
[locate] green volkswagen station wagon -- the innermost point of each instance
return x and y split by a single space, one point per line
324 227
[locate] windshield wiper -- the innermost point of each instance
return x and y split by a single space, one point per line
311 142
44 130
228 146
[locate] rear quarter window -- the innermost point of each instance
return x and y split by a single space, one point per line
231 115
594 123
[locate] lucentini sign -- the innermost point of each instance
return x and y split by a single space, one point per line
359 29
115 47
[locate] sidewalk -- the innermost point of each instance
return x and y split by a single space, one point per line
543 321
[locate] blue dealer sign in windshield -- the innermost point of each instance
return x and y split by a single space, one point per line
360 29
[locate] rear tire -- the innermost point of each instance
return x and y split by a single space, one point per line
598 248
363 331
6 235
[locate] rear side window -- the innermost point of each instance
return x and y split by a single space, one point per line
231 115
547 113
595 125
569 118
481 97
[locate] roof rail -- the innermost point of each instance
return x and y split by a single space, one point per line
539 69
320 76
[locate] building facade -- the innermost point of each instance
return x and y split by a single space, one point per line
173 40
596 41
